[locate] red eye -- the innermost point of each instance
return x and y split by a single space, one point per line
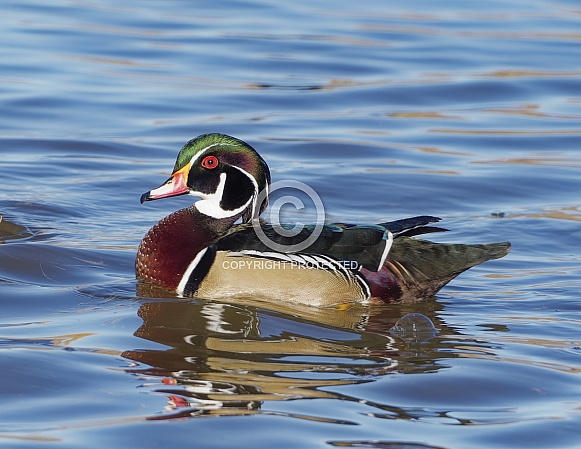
210 162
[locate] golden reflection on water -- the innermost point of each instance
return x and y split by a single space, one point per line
544 161
425 114
571 213
502 132
530 74
531 110
221 359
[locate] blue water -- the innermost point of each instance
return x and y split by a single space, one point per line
468 111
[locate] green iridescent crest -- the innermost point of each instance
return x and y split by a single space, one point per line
203 143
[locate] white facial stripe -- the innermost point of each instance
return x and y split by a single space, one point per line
214 210
193 264
210 202
202 151
265 197
253 181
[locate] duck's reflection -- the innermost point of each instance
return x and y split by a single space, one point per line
222 358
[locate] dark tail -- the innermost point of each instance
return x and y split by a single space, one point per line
421 268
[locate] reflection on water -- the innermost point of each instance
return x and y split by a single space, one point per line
225 359
383 445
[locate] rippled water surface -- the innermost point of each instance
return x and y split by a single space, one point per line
470 111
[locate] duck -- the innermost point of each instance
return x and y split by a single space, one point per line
220 248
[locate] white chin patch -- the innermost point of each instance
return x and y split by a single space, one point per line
210 203
213 209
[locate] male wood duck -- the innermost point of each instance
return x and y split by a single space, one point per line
211 249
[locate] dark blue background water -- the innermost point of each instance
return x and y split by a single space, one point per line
469 111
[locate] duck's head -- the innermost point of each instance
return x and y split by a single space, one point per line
226 173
